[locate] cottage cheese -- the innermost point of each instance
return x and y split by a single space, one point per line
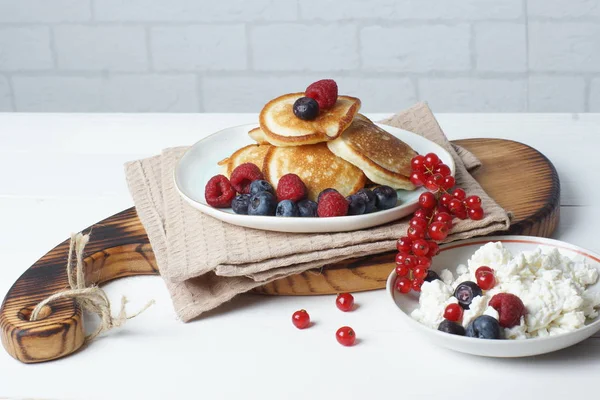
551 286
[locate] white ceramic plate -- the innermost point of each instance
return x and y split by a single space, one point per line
459 252
199 164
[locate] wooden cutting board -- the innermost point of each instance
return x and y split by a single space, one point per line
518 177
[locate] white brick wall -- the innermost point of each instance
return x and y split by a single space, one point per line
234 55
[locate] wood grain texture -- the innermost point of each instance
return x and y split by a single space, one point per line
518 177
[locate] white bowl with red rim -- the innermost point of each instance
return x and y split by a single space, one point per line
453 254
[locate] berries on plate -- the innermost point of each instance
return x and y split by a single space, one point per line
306 108
451 327
484 327
325 93
261 185
453 312
243 175
465 292
356 204
344 301
486 280
345 336
370 199
307 208
332 204
262 203
218 192
286 208
240 204
510 309
301 319
386 197
291 187
325 191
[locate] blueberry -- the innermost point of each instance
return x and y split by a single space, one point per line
466 292
306 108
261 186
370 199
386 197
240 203
356 204
262 203
484 327
307 208
451 327
431 276
287 208
323 192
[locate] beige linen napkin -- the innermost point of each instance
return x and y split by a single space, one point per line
206 262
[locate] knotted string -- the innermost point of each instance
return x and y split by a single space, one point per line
93 298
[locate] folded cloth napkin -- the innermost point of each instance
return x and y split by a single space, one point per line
206 262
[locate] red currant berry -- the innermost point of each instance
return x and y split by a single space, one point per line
423 261
420 273
459 194
473 202
415 232
453 312
402 270
418 178
424 213
345 336
416 221
448 182
301 319
410 261
420 247
431 161
403 285
486 280
475 213
442 169
400 257
427 200
434 249
445 218
458 208
344 301
461 213
417 163
445 199
416 284
404 244
438 231
483 269
434 183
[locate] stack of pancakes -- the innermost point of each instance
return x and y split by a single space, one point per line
339 149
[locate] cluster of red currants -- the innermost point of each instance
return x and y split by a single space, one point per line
434 220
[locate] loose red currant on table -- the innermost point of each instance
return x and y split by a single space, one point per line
301 319
420 247
402 270
344 301
416 284
345 336
453 312
438 231
403 285
427 200
404 244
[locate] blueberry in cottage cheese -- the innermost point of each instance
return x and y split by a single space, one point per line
484 327
551 286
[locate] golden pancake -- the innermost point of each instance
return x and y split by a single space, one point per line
258 135
383 158
253 153
281 127
318 168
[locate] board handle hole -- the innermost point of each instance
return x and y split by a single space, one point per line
25 313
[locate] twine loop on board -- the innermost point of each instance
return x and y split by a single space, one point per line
92 299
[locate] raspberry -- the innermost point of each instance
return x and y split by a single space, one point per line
218 192
332 204
325 92
291 187
243 175
510 309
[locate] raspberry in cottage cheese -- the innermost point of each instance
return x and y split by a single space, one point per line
551 286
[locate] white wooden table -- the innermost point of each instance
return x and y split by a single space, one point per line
62 172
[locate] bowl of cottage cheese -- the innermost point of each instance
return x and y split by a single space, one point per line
558 283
